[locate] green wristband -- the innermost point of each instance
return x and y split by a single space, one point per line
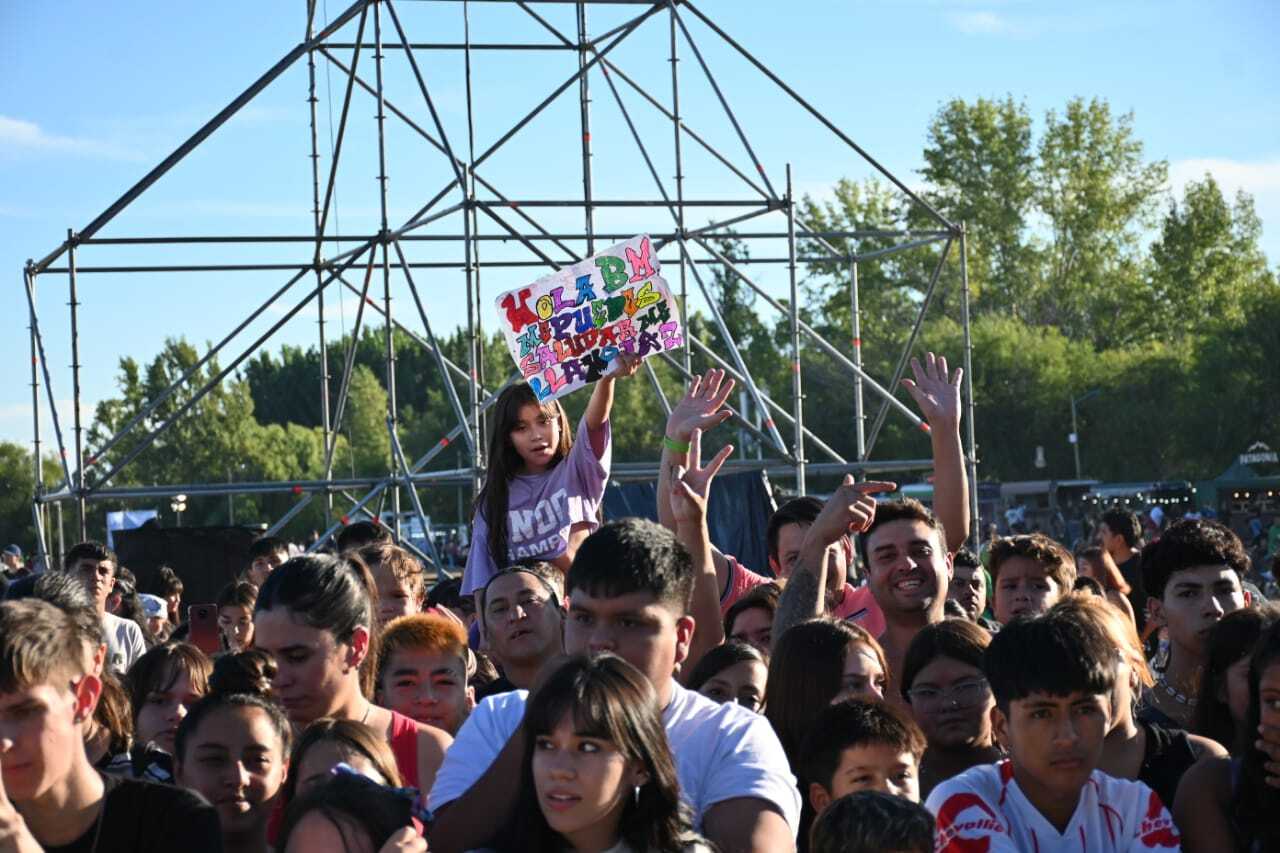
678 446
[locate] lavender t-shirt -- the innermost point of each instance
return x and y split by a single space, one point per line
541 509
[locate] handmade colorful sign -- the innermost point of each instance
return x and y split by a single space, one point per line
565 330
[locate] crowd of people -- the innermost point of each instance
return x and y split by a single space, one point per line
626 686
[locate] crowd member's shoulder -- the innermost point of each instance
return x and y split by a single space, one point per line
144 816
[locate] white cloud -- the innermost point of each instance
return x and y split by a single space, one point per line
1255 178
984 23
20 136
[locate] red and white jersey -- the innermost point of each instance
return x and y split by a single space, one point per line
984 811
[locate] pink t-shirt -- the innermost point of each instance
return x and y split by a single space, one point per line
856 604
542 508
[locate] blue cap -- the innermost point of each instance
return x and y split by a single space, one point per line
13 551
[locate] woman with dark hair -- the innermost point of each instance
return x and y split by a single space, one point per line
947 692
235 615
1094 562
1224 686
598 774
1134 748
733 672
1226 803
314 615
166 584
350 813
233 749
162 686
750 619
815 664
250 671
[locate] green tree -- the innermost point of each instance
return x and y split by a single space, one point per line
1206 262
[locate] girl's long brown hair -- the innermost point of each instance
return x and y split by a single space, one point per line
505 462
805 673
609 699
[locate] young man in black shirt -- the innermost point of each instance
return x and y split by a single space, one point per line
51 797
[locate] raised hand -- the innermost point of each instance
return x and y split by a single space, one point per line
701 407
626 364
935 391
690 487
850 509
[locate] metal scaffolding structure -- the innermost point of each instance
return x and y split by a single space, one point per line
370 30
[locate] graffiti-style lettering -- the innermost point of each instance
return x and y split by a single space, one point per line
547 357
573 371
608 353
607 336
617 304
649 343
528 340
587 339
544 331
518 313
544 306
529 365
641 266
625 330
560 326
646 296
600 313
564 350
613 271
559 303
582 320
594 366
586 292
671 337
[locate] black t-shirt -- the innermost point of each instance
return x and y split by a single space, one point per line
1131 571
142 817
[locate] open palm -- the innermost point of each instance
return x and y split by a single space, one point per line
936 393
702 406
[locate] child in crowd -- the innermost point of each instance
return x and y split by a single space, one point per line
398 576
860 746
815 664
1230 803
750 619
1155 755
52 797
327 743
233 749
349 812
1030 573
266 554
1192 575
315 617
250 671
597 773
448 593
166 584
1097 563
543 487
630 588
163 685
235 615
1223 703
872 822
950 699
1052 678
733 672
422 670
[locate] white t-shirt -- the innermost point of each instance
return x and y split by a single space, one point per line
721 752
124 643
985 804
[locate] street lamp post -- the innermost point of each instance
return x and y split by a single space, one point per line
1074 438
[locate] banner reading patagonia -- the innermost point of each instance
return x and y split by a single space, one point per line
564 330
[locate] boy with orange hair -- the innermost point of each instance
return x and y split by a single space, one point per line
423 670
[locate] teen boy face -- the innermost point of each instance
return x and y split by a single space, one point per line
870 767
1196 599
1054 743
651 635
431 687
98 577
41 731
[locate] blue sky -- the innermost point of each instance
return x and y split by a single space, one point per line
93 95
